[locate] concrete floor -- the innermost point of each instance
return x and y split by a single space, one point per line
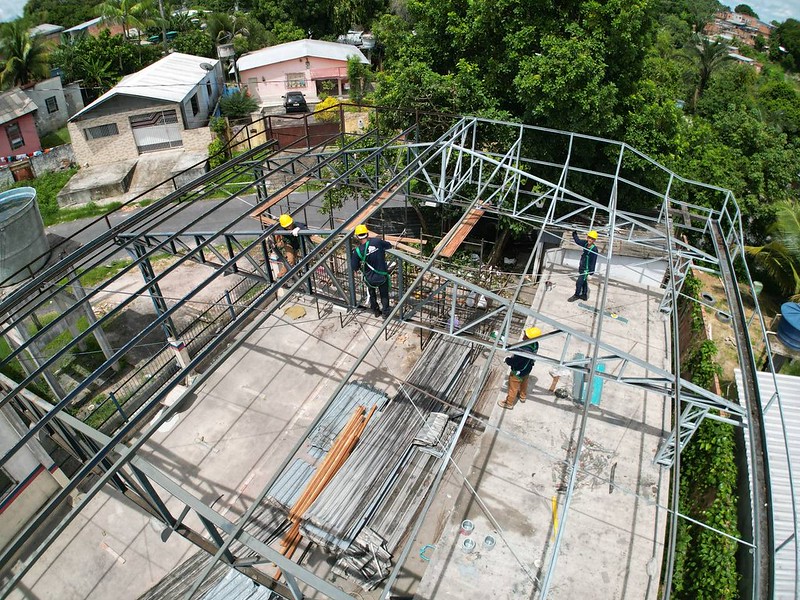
228 443
613 538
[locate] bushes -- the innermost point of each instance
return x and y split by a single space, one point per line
326 111
705 561
237 105
216 154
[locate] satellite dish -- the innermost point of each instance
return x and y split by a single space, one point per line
207 66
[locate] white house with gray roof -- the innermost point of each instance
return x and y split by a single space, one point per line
307 66
165 105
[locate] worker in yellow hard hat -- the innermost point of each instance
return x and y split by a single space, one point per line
369 257
289 245
520 369
586 264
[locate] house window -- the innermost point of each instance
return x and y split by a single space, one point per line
295 80
52 104
101 131
208 90
7 484
195 105
15 136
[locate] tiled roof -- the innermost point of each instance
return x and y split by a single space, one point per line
15 104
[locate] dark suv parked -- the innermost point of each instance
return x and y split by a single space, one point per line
295 102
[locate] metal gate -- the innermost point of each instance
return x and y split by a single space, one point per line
158 130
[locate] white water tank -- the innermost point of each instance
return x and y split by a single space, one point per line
23 245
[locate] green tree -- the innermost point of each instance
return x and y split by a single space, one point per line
237 105
708 56
120 12
194 42
780 257
744 9
25 58
60 12
786 35
359 75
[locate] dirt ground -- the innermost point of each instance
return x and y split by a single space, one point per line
722 332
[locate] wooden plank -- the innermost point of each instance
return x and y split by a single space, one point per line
261 208
367 211
462 230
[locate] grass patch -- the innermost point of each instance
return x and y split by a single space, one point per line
94 276
13 370
56 138
88 210
48 186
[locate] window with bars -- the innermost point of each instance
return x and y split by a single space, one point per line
14 135
52 104
195 105
101 131
295 80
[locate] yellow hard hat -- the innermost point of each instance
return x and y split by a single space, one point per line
532 332
361 230
592 234
286 221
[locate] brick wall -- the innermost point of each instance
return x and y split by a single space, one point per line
104 150
123 146
196 140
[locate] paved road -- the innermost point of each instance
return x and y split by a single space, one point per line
210 215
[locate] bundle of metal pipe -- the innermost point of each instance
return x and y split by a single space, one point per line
386 450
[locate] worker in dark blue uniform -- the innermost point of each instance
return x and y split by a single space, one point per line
370 258
586 265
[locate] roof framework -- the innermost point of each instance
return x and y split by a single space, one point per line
544 178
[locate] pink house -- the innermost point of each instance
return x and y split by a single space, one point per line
308 66
17 125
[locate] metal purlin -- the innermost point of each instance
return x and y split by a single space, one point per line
734 231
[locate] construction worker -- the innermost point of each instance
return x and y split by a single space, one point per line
586 265
289 245
370 258
520 370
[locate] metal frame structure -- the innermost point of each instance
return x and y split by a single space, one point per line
533 175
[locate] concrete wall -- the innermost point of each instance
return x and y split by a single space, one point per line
58 159
632 269
47 121
208 92
34 482
271 79
197 140
74 98
122 146
27 127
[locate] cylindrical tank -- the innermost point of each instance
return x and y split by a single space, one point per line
789 326
22 239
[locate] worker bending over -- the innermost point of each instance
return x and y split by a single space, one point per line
289 245
520 370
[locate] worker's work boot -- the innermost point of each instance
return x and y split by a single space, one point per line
573 298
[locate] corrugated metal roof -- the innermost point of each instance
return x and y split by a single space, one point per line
299 49
235 586
84 25
782 434
45 29
173 78
15 104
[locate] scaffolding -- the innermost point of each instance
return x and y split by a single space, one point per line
545 179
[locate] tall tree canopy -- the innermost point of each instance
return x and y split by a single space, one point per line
24 57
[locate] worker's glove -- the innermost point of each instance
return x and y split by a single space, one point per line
296 231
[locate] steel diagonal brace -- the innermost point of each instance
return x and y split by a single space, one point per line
608 349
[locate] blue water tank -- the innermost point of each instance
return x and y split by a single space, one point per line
789 327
